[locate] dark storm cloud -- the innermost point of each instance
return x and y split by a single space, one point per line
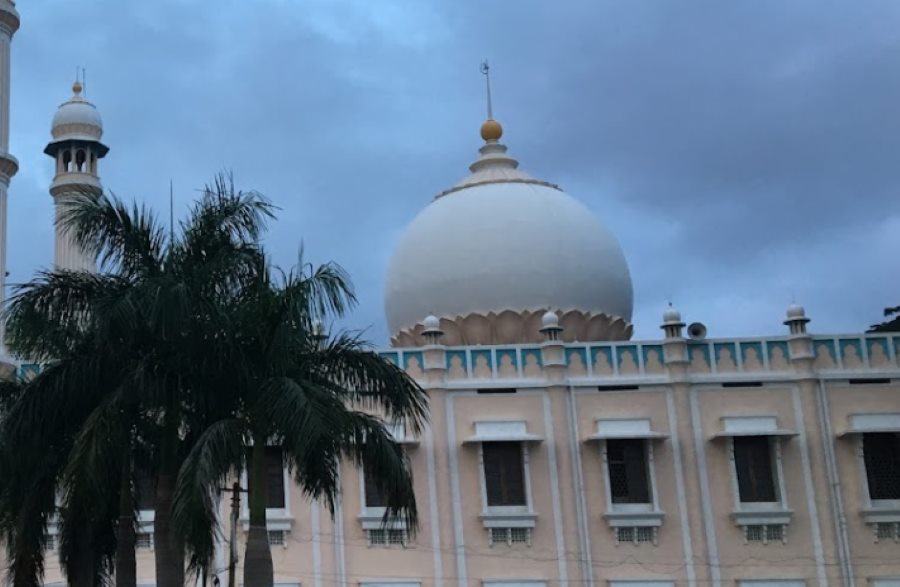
744 154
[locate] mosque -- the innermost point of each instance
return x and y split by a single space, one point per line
560 452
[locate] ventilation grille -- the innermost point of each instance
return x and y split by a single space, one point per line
509 536
387 537
637 535
764 533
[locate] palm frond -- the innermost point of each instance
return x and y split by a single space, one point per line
218 451
347 367
127 240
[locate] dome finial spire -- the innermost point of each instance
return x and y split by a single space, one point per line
491 131
486 71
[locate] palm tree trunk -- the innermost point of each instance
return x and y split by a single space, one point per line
82 571
126 565
169 548
258 570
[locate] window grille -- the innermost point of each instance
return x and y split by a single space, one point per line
753 465
51 542
881 453
376 537
387 537
627 464
144 540
637 535
643 534
764 533
504 474
509 536
887 531
276 537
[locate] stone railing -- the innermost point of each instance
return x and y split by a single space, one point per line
647 360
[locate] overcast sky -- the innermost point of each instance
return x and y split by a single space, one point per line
744 153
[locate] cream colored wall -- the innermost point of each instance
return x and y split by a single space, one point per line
699 543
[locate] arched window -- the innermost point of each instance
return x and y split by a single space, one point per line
80 158
67 160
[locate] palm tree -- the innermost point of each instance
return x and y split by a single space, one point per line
319 400
127 350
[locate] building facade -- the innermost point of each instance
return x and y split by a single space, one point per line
559 452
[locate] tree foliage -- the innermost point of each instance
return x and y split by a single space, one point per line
182 352
892 325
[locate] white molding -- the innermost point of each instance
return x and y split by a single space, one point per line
705 493
753 512
632 514
561 559
764 425
453 457
818 550
771 582
502 431
872 422
587 568
514 516
684 520
624 429
873 510
434 513
315 522
842 540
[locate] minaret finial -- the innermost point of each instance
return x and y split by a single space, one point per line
486 70
77 87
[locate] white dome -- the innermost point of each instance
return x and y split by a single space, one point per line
671 315
795 311
77 119
550 319
501 240
431 323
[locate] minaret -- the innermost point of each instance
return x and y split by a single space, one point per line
76 149
9 24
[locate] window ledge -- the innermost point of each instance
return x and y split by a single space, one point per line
634 519
491 519
881 514
373 519
275 520
768 517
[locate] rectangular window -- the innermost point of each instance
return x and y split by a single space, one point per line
753 465
375 495
627 463
881 453
275 477
504 474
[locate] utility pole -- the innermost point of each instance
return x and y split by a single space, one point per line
232 556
